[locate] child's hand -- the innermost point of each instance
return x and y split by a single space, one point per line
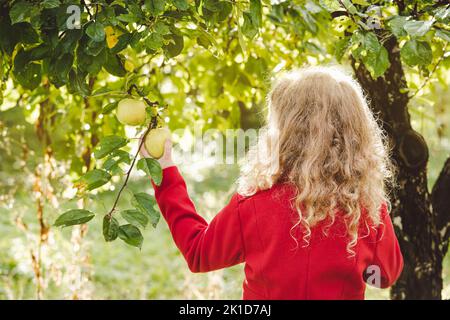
166 160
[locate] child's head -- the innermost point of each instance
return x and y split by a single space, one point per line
328 145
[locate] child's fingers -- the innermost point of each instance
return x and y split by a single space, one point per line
166 160
143 152
168 148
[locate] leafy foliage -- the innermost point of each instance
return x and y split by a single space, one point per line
73 217
152 168
135 217
146 204
93 179
110 228
109 144
131 235
207 60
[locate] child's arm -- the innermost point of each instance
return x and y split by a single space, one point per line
387 256
205 247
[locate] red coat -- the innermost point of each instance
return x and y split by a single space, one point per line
257 230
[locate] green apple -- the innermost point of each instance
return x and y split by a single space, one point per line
155 140
131 112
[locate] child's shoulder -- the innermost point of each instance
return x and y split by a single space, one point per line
277 191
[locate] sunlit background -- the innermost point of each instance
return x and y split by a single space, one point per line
220 84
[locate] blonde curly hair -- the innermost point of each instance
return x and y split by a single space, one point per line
322 138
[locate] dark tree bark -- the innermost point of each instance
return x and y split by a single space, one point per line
441 205
417 224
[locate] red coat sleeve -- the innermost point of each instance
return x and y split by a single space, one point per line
205 247
387 256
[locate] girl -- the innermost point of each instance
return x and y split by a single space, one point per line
309 218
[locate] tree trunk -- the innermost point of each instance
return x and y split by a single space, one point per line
441 205
412 212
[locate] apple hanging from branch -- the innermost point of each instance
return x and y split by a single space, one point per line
131 112
134 112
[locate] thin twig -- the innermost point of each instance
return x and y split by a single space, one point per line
151 126
87 9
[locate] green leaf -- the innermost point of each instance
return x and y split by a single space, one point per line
181 4
110 164
77 83
442 14
20 11
115 159
59 69
443 34
21 59
396 25
88 63
8 38
152 168
154 6
94 48
145 203
40 52
248 27
93 179
416 52
108 144
256 12
131 235
114 65
29 76
212 5
50 4
377 62
370 42
70 40
135 217
349 6
110 107
154 41
96 31
252 19
204 41
124 40
74 217
27 33
220 10
341 47
161 28
128 18
418 28
309 21
374 55
361 2
110 228
175 46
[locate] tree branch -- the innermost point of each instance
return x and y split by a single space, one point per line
401 5
440 198
87 9
152 125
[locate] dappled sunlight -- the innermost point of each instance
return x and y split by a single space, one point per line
82 83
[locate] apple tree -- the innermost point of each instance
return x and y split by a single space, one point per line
67 65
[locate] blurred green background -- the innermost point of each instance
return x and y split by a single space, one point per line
211 63
94 269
